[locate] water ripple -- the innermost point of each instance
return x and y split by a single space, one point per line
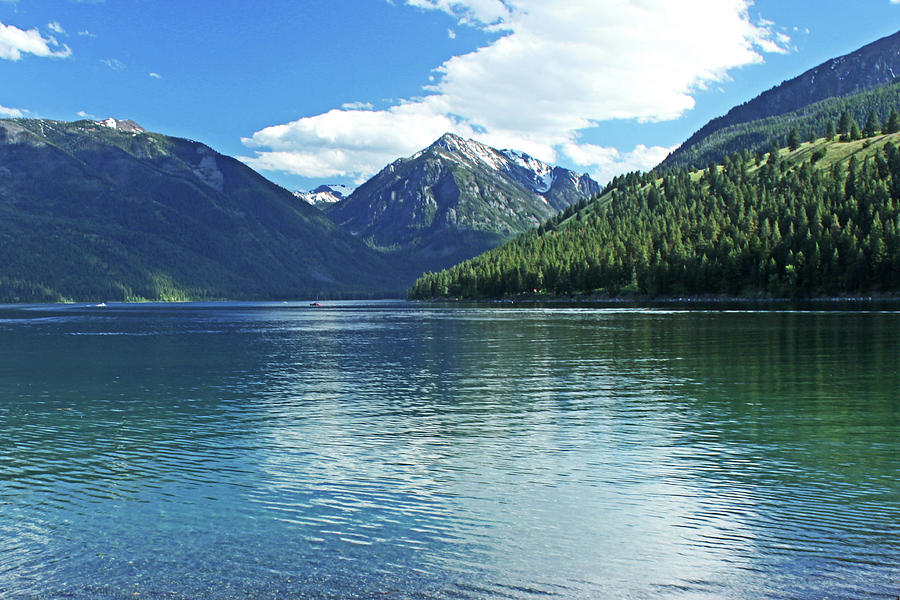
369 449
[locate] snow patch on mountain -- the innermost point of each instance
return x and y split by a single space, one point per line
125 125
325 194
470 151
528 171
543 175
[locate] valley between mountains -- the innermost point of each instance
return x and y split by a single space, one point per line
790 194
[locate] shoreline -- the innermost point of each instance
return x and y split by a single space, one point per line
887 298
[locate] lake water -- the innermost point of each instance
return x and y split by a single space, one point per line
394 450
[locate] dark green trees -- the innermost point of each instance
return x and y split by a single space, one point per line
872 125
893 123
794 139
735 228
844 124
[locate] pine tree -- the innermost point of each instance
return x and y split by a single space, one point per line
774 153
893 124
844 123
829 131
855 133
794 139
872 125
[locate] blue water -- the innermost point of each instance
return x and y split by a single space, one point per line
396 450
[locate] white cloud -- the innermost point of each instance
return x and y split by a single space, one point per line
15 42
354 142
85 115
13 113
560 67
451 34
87 33
605 163
155 75
357 106
114 64
55 27
481 12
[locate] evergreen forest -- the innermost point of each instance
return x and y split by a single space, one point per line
815 218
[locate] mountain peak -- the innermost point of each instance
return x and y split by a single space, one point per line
455 199
450 141
325 194
125 125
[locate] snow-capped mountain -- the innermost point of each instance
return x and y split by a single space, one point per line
125 125
325 194
455 199
529 172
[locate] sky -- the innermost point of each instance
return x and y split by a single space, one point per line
330 91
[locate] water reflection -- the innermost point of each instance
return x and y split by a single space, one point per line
249 450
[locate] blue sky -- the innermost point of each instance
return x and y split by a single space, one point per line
313 91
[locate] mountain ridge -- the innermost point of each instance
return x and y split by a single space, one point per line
93 212
325 194
873 65
821 219
455 199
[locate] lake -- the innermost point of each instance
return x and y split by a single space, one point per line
398 450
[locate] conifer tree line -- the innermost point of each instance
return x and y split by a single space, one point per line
756 224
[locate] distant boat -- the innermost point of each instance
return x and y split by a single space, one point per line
314 304
101 305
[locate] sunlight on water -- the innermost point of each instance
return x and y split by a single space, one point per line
369 449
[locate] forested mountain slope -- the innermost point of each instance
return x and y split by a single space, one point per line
107 211
870 67
810 122
823 218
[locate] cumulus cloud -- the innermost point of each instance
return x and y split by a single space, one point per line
155 75
85 115
558 68
55 27
604 163
15 42
351 142
13 113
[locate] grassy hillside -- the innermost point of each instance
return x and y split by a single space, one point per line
822 219
758 123
811 122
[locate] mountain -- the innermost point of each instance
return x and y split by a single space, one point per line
818 217
810 122
107 211
126 125
823 219
870 67
325 194
455 199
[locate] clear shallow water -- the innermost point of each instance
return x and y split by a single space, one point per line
369 450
